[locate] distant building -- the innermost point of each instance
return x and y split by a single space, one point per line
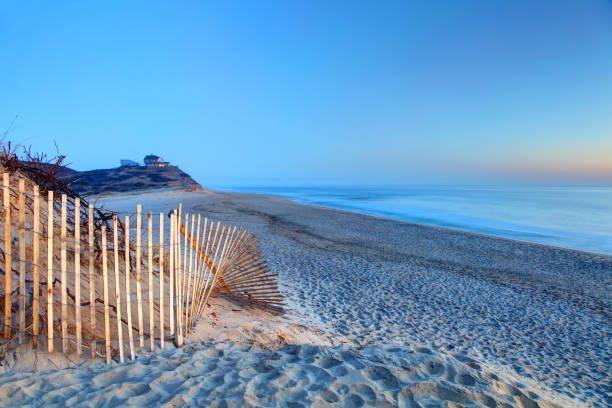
128 163
155 161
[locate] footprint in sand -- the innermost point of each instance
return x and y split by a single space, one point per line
382 376
365 391
503 388
431 367
328 362
354 400
435 391
465 379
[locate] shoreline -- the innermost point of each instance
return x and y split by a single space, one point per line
448 229
103 197
515 230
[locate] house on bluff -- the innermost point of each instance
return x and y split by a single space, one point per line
152 160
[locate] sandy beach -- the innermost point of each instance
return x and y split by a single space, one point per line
379 313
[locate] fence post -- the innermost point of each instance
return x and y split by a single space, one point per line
50 272
22 272
92 289
8 264
77 273
138 288
127 286
35 260
161 280
151 290
117 288
105 283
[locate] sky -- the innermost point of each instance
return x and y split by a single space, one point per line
320 92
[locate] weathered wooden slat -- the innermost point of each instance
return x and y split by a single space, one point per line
254 264
117 288
272 294
150 287
138 275
261 279
215 278
210 266
183 272
161 280
257 274
189 277
193 274
22 271
252 257
235 245
64 277
171 276
50 272
77 274
128 302
205 263
249 289
248 249
106 304
196 269
244 259
224 259
201 289
184 279
178 276
36 268
92 285
209 288
8 262
255 288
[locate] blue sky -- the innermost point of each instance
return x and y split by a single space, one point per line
317 92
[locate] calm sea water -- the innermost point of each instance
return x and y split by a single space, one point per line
569 217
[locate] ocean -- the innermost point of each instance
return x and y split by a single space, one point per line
569 217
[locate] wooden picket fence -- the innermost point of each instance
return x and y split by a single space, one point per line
155 288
